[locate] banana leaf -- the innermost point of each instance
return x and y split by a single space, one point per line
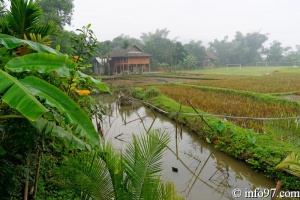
11 42
42 63
49 127
101 86
74 115
18 97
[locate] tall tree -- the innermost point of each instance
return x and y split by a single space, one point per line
162 49
179 53
124 41
276 52
196 49
65 47
59 11
293 56
243 49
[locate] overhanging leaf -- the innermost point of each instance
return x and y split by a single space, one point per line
74 115
101 86
48 127
11 42
41 62
18 97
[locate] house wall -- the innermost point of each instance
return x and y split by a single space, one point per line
138 60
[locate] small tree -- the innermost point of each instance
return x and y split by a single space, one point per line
190 61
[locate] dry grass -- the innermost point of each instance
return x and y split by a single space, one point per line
232 104
277 82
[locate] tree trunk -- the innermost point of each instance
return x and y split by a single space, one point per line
25 193
36 179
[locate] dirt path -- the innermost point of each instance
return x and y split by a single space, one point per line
142 80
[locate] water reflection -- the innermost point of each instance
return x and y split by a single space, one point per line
203 172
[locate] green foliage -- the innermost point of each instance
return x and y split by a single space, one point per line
162 49
291 163
47 127
42 63
23 16
197 51
124 42
59 11
4 57
65 47
97 83
73 115
152 92
243 49
57 125
11 42
275 53
17 142
18 97
190 61
105 174
83 45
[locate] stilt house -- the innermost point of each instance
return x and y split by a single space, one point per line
122 61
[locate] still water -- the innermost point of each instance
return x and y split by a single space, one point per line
203 172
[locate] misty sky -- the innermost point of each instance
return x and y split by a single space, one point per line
203 20
191 19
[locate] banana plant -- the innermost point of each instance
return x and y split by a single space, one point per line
11 42
21 94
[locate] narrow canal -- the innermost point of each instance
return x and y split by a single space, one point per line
203 172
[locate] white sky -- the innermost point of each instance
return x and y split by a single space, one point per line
187 20
203 20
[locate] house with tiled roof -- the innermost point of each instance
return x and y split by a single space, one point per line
122 61
209 59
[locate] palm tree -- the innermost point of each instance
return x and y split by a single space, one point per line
107 174
23 17
23 20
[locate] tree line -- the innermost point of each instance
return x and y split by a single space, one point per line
245 49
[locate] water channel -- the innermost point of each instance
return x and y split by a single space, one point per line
203 172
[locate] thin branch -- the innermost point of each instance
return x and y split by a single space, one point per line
200 116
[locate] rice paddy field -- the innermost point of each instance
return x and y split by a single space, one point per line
252 113
256 93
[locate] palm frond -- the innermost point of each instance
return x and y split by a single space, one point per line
23 16
107 174
143 160
291 163
48 29
86 175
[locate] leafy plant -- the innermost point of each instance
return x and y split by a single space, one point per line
291 163
105 174
45 112
152 92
